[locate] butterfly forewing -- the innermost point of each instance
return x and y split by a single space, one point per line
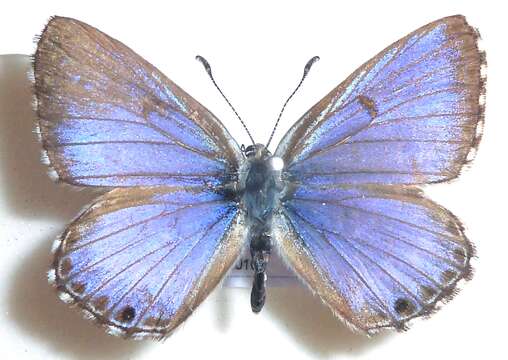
352 224
408 116
109 118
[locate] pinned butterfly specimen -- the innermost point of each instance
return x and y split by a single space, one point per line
338 198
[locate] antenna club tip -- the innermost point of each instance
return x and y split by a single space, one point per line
204 62
310 63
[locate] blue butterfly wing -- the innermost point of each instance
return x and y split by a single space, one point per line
109 118
378 256
144 255
410 115
139 261
352 225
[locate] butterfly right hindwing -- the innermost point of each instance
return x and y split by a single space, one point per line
377 255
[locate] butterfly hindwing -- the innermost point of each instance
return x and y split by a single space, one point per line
139 261
377 255
411 115
109 118
352 224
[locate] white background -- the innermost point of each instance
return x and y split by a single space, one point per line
257 50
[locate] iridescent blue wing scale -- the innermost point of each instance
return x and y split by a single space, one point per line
109 118
352 224
139 262
145 254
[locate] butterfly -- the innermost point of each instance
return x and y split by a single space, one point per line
338 199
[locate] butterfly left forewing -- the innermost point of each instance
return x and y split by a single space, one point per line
109 118
139 261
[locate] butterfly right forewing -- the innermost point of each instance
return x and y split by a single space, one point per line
410 115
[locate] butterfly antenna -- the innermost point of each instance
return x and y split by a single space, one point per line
305 72
208 69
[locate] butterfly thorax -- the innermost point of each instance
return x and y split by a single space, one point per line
260 188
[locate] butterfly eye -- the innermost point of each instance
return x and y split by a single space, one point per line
250 150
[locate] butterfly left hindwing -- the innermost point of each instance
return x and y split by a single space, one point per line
140 261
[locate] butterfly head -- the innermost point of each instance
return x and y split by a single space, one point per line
258 151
